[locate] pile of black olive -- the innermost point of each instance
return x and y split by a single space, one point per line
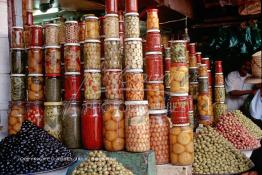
32 150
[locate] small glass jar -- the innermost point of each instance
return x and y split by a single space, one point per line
181 145
193 74
206 61
17 37
219 79
71 124
132 29
192 60
159 135
131 6
155 94
191 111
111 6
219 110
179 74
92 84
153 41
199 58
53 119
51 34
82 31
111 26
134 79
112 53
92 54
16 116
167 53
35 113
152 19
218 68
36 35
52 60
113 125
154 66
72 57
62 31
203 84
202 70
35 60
178 51
18 87
167 79
72 84
52 88
220 94
113 84
133 53
72 32
92 125
26 36
193 89
179 108
137 126
18 58
167 64
35 87
204 105
92 27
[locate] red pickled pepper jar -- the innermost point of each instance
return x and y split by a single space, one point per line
91 125
154 66
111 6
35 113
179 108
72 86
36 35
131 6
153 40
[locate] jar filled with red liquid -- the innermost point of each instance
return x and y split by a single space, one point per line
72 84
153 40
131 6
35 113
17 37
92 122
36 35
111 6
154 66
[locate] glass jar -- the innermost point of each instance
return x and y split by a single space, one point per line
18 87
26 36
153 41
16 116
154 66
220 108
159 135
219 79
72 32
92 54
35 87
92 27
82 31
53 119
72 57
112 53
17 37
193 74
203 84
137 128
202 70
193 89
113 84
192 48
179 108
218 68
191 111
178 51
36 35
206 61
167 79
52 60
35 60
199 58
35 113
130 6
51 34
167 52
181 145
111 26
134 79
152 19
220 94
62 34
71 124
92 84
92 125
155 94
133 53
53 88
132 29
167 64
113 125
18 58
179 81
72 84
111 6
192 60
204 106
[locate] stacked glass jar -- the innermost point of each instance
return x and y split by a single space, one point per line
206 61
167 65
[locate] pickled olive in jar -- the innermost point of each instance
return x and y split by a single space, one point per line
155 94
113 84
192 60
193 74
152 19
72 32
133 53
18 61
52 89
111 26
72 57
178 51
72 84
167 79
132 29
16 116
92 54
71 124
219 110
220 94
53 119
203 85
134 84
91 27
153 41
51 34
193 89
18 87
219 79
179 108
35 60
113 125
202 70
154 66
92 125
204 105
181 145
131 6
17 37
36 35
111 6
179 81
35 87
82 31
112 53
92 84
35 113
159 135
52 60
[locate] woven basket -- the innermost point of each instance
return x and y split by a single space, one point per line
256 65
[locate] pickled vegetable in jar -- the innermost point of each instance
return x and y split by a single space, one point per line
181 145
101 26
218 67
72 57
202 70
61 36
152 19
35 113
52 60
192 60
35 60
113 84
133 53
72 86
36 35
154 66
155 94
16 116
179 78
112 53
51 34
71 124
167 64
92 54
179 108
18 58
193 74
220 94
220 108
132 29
153 41
52 88
82 31
203 84
113 125
111 6
178 51
167 79
134 84
72 32
35 87
92 84
206 61
17 37
92 125
159 135
193 89
219 79
111 26
204 106
91 27
137 127
18 87
53 119
130 6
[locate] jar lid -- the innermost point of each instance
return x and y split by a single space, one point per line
193 82
103 59
92 41
116 102
53 103
154 82
113 70
209 87
36 26
205 58
184 124
167 58
193 67
152 10
81 42
153 30
102 36
178 95
220 102
202 65
132 14
113 15
192 44
142 102
74 22
167 71
178 41
72 73
35 75
162 111
73 102
133 39
52 24
52 47
134 70
92 70
219 86
17 27
17 75
91 17
153 53
112 39
203 77
53 75
35 47
198 53
17 48
35 102
71 44
219 73
91 102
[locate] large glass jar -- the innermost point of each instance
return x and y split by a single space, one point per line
181 145
132 29
219 110
17 37
203 85
35 60
71 124
92 54
155 94
152 19
134 84
36 35
193 74
52 119
133 53
72 86
219 79
153 41
220 94
111 26
159 135
113 125
112 53
92 84
204 107
18 58
72 32
35 87
52 60
18 87
192 60
179 108
193 89
16 116
92 125
53 88
154 66
113 84
179 78
72 57
202 70
82 31
137 128
178 51
51 34
35 113
92 27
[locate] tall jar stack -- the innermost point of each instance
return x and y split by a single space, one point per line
167 65
206 61
102 53
28 22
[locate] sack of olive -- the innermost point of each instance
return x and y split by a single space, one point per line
32 150
230 127
99 163
215 155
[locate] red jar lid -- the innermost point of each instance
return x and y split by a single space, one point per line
218 68
53 75
178 64
152 10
